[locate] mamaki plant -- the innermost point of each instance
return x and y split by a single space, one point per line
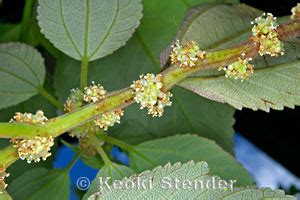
111 58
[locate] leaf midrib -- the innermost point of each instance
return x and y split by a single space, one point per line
107 33
18 77
27 65
86 35
67 30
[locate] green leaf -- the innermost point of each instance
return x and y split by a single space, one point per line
41 183
183 148
108 172
31 105
217 26
273 87
22 73
275 80
89 29
184 181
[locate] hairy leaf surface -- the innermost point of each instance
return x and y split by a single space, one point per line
22 73
89 29
186 175
112 172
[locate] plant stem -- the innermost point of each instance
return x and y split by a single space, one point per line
125 146
123 98
97 144
8 155
84 72
117 142
29 4
50 98
73 161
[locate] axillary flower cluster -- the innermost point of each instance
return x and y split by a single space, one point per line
32 149
148 93
186 55
240 69
265 33
91 94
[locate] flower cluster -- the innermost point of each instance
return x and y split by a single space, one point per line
30 118
186 55
94 93
109 119
148 93
91 94
32 149
240 69
3 175
264 32
74 101
296 11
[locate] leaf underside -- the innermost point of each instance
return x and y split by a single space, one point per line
22 72
113 172
275 82
89 29
189 172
